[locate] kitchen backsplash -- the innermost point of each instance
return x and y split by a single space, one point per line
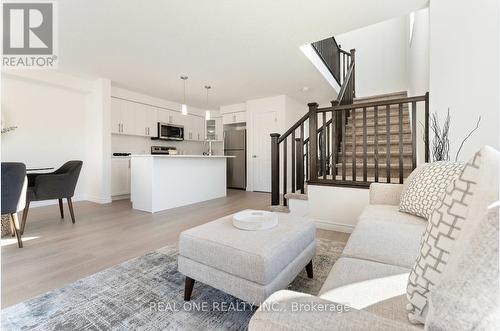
142 145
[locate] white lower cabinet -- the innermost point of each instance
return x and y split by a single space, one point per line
120 176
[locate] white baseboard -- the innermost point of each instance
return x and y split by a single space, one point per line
120 197
43 203
332 226
99 200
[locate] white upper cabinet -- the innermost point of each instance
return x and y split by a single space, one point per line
116 122
134 118
238 117
122 117
164 116
219 129
145 120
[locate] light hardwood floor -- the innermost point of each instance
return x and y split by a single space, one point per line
57 252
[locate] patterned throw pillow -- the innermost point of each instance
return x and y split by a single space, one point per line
466 297
426 186
466 197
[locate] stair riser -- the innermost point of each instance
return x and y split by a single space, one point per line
370 131
382 111
381 159
382 149
382 138
370 123
394 125
371 172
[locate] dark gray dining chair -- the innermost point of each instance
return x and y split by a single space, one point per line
13 187
59 184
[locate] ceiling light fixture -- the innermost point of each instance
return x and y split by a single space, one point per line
184 109
207 111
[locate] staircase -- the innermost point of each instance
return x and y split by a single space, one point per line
388 141
352 143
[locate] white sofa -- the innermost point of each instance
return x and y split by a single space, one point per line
369 278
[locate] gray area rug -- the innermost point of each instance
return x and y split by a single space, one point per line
146 293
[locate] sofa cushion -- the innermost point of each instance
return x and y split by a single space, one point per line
360 283
425 187
288 310
465 198
388 213
467 297
258 256
387 236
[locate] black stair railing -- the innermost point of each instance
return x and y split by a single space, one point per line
336 60
378 143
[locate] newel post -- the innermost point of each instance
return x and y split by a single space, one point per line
313 139
275 169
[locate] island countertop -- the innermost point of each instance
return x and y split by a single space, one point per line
183 156
160 182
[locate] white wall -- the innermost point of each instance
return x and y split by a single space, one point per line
98 142
418 70
336 208
380 56
142 145
418 54
56 119
464 66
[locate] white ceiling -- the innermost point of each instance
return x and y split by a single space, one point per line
244 49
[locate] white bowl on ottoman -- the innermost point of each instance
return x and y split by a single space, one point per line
250 265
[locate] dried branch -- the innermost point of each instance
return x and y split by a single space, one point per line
467 137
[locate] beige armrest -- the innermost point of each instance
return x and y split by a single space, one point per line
288 310
385 194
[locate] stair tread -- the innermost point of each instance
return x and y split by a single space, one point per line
296 196
279 209
381 179
372 165
384 96
407 153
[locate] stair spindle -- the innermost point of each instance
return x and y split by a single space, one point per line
293 162
343 145
375 147
388 141
414 135
353 113
323 146
285 162
400 118
365 166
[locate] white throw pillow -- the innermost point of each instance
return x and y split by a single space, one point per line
465 198
426 186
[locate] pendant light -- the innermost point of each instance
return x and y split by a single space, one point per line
184 109
207 111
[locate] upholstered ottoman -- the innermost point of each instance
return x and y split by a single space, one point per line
250 265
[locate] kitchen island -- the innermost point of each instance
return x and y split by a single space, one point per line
160 182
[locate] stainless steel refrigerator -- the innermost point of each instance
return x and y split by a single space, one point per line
235 145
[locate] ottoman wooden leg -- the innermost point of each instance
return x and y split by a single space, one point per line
309 269
188 288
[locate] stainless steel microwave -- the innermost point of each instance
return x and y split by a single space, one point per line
170 131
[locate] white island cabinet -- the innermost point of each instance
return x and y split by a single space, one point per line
160 182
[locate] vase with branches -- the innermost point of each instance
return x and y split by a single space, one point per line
440 148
